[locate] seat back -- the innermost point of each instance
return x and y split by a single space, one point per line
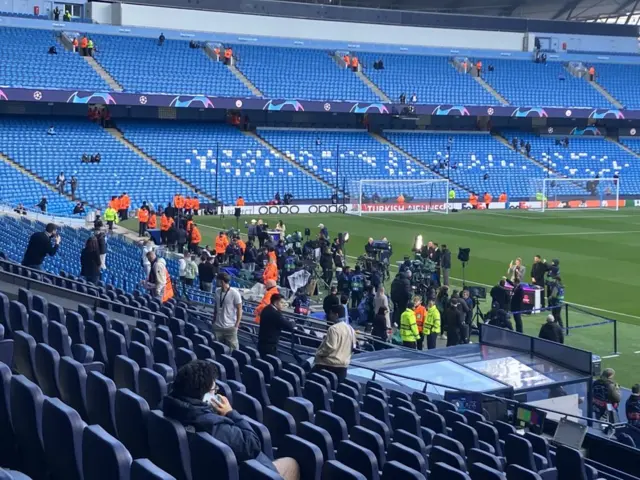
414 442
24 350
94 336
62 430
75 326
116 345
378 426
449 443
318 436
405 419
204 352
443 471
434 421
17 316
125 373
253 379
481 471
38 326
25 297
358 458
279 391
517 472
519 451
55 313
440 454
570 463
335 470
180 341
232 367
398 470
407 456
72 382
184 356
248 405
334 425
47 362
59 339
210 455
144 469
369 440
163 353
141 354
101 396
347 408
103 457
376 406
7 439
168 445
489 434
317 394
152 387
140 336
465 434
4 314
279 423
131 412
540 445
26 401
255 470
475 455
451 417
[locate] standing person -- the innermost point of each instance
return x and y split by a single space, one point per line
400 294
445 263
195 402
74 187
111 216
356 285
147 247
272 289
382 301
206 272
515 271
538 271
166 222
42 205
191 271
453 320
270 272
409 332
517 304
60 183
556 299
143 221
90 261
40 245
90 47
272 323
606 396
228 312
381 328
334 353
196 238
432 324
330 300
421 315
56 14
102 247
326 263
551 330
159 281
632 406
161 39
182 267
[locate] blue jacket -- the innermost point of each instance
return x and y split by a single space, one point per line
232 430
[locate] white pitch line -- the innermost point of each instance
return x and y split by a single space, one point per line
610 356
571 234
536 216
637 351
441 227
483 285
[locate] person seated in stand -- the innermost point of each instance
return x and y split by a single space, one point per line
52 50
85 158
51 130
79 208
98 157
196 403
20 210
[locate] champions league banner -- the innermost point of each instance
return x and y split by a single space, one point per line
288 105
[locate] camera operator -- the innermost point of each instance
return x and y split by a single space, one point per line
400 293
498 317
356 286
606 392
538 271
326 263
500 295
517 301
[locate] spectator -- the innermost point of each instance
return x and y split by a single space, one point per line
40 245
20 210
56 14
51 130
191 271
382 301
414 98
161 39
478 68
228 312
334 353
272 289
632 407
592 73
270 272
102 247
79 209
272 323
445 263
206 272
330 300
380 328
67 16
196 238
60 181
53 50
83 45
148 246
159 281
90 261
194 401
85 158
74 187
403 98
551 330
42 204
228 56
74 44
182 267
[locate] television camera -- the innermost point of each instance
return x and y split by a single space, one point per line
377 259
422 270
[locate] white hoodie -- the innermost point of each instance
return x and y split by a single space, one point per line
160 270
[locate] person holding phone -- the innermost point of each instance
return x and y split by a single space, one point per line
40 245
196 403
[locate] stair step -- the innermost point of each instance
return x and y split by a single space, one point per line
99 69
373 87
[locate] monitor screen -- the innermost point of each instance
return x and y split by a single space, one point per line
464 401
527 417
570 433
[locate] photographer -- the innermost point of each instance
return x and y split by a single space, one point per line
498 317
606 392
400 293
326 263
40 245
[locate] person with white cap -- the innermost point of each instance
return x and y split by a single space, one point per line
551 330
323 231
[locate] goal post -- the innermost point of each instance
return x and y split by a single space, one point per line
554 193
396 196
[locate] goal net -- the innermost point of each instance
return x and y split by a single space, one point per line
575 194
392 196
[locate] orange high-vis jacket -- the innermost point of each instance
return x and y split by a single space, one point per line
196 204
272 256
228 53
216 51
196 238
152 221
84 42
75 42
421 314
165 223
242 245
221 244
240 202
473 200
592 71
354 62
479 65
168 289
487 198
125 202
400 199
143 215
114 203
266 300
178 201
189 226
502 198
270 273
347 60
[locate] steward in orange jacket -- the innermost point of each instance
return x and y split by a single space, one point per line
152 225
502 198
196 205
114 203
241 244
270 272
222 242
178 202
125 205
165 224
487 199
196 238
240 202
143 221
272 289
400 199
473 200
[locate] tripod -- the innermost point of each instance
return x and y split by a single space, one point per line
477 314
464 283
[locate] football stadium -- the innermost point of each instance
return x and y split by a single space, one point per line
319 240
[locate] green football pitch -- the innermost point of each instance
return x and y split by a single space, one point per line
597 249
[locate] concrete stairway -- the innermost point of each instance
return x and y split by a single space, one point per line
403 152
11 162
118 135
115 86
623 146
472 71
241 76
603 91
579 70
373 87
282 155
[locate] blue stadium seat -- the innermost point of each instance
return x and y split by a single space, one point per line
517 472
279 423
248 405
378 426
394 470
518 451
358 458
318 395
440 454
279 391
72 382
62 430
300 409
152 387
125 373
480 471
254 469
103 457
168 445
347 408
370 440
443 471
46 365
131 412
210 455
18 317
254 380
101 393
24 354
319 437
334 470
8 455
143 469
141 354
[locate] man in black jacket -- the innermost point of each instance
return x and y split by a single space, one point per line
401 293
330 300
272 322
445 263
551 330
500 295
538 271
40 245
517 300
207 272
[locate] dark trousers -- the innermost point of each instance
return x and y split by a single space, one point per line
411 345
92 279
181 248
356 298
420 342
431 340
163 236
142 228
110 223
327 276
341 372
453 337
557 314
265 350
517 319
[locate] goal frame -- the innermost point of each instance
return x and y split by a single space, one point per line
431 206
614 182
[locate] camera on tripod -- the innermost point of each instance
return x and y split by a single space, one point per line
477 292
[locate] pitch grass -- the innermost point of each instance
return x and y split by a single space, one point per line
597 249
